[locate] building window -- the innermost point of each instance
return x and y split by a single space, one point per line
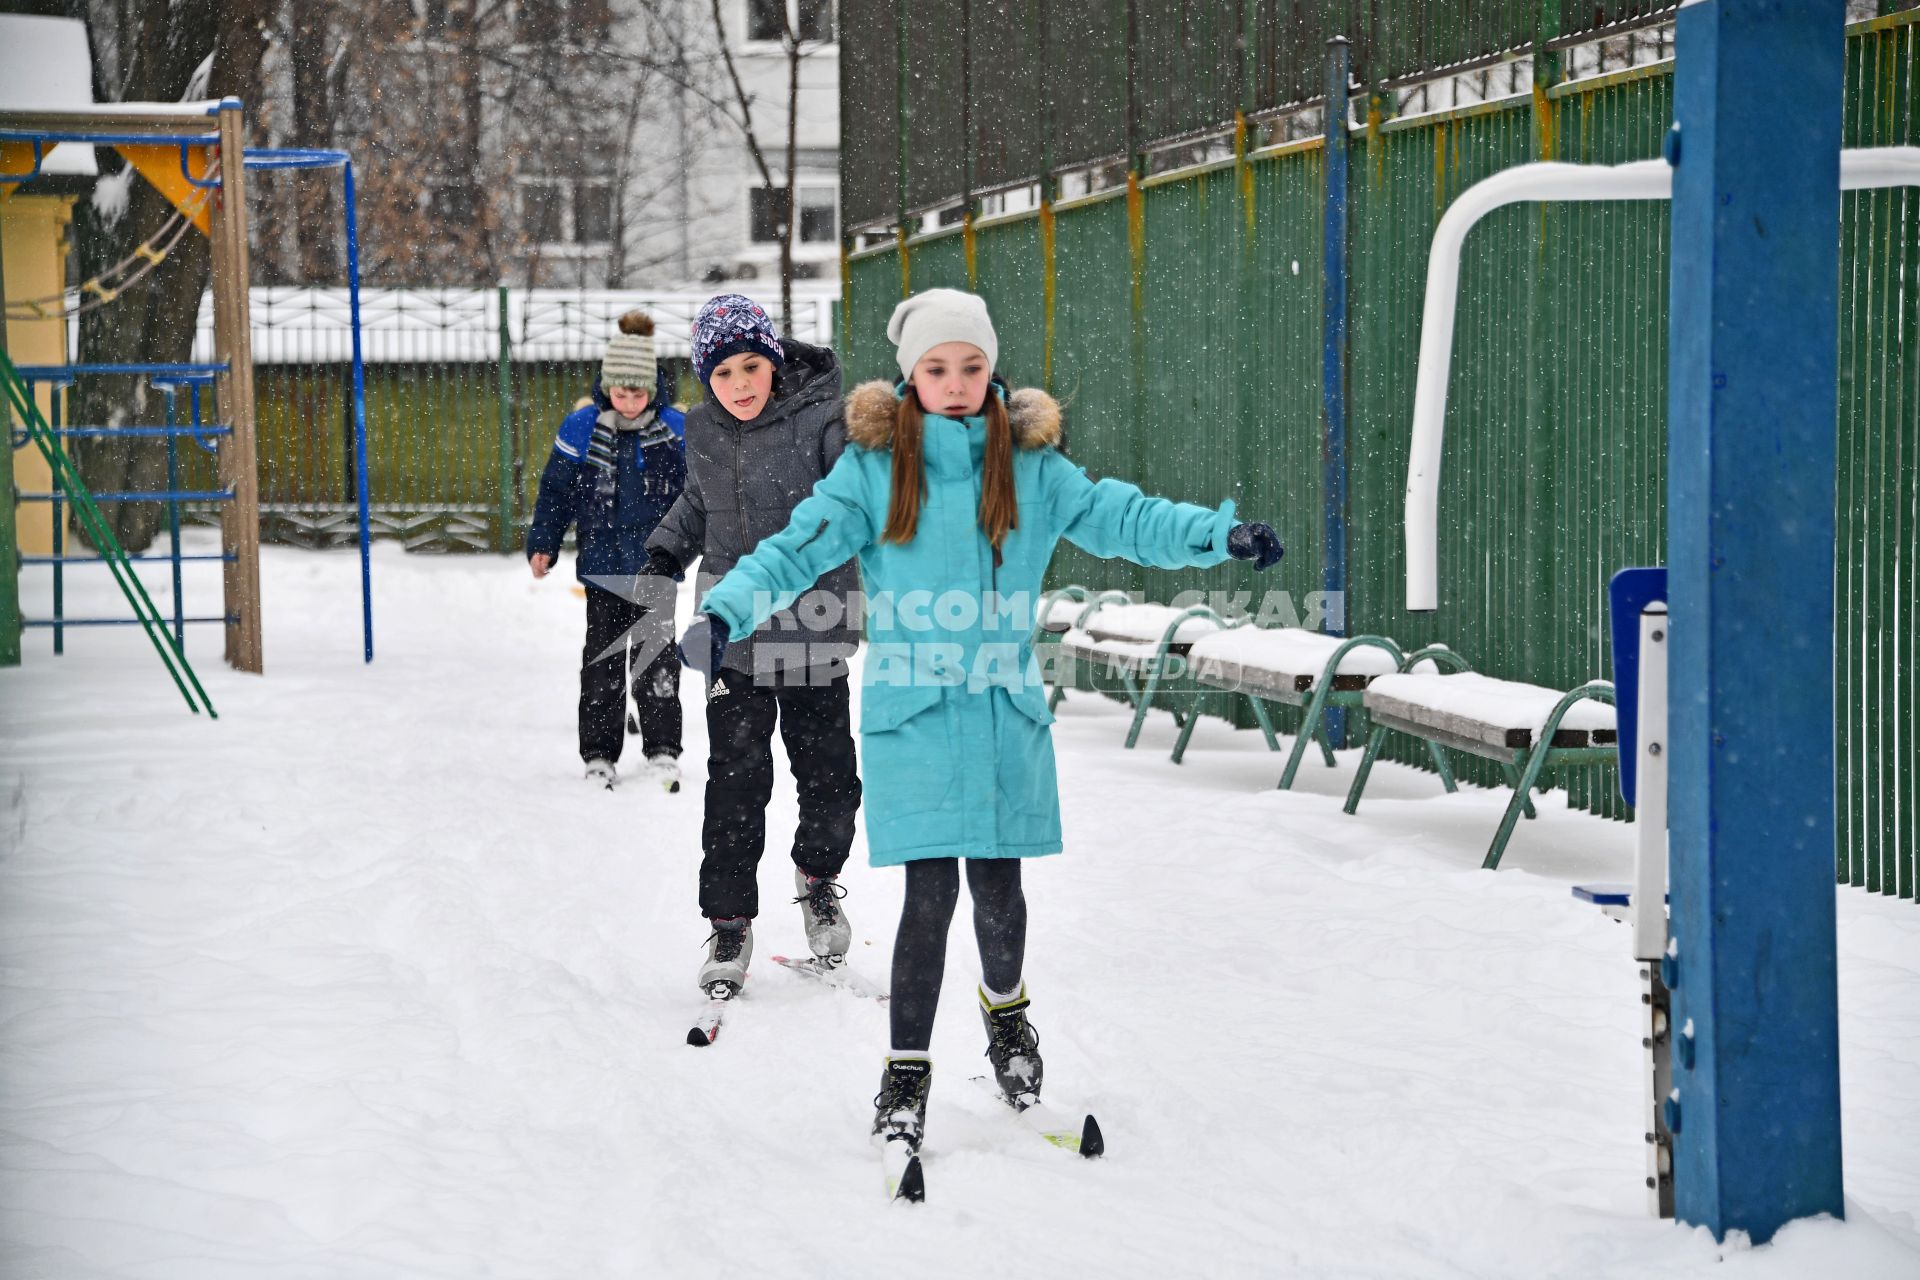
766 19
455 202
543 213
443 18
819 214
577 22
558 213
815 23
767 214
593 212
812 19
592 21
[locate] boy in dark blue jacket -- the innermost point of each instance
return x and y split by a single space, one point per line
617 466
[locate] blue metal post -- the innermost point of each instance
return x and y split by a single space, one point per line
59 541
359 413
173 521
1333 366
319 158
1753 337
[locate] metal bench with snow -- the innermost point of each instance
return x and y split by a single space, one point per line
1297 668
1527 728
1142 648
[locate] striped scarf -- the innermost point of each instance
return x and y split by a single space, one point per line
601 450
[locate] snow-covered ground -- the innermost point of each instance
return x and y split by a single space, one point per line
362 980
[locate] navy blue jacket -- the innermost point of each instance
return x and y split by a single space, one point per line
611 529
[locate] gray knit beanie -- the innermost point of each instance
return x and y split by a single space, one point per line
629 361
934 316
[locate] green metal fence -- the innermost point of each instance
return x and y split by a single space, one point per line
1879 458
951 106
1180 319
464 390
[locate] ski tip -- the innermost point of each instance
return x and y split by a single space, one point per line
699 1038
1092 1142
913 1185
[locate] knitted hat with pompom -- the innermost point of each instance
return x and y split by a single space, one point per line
630 361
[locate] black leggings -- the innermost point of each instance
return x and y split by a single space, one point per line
920 948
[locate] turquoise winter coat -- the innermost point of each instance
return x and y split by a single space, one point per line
958 758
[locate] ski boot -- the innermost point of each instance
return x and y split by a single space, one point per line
729 948
900 1108
664 770
1013 1046
828 933
602 772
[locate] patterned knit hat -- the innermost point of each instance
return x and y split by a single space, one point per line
629 361
728 325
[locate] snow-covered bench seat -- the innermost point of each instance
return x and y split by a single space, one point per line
1125 637
1294 666
1527 728
1470 712
1128 642
1059 610
1286 663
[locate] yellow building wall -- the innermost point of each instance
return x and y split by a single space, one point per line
33 240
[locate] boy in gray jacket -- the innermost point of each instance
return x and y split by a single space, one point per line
770 428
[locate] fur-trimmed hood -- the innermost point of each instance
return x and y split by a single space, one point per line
1033 414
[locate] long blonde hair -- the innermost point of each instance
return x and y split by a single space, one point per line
999 507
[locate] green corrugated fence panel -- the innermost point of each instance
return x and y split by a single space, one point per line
1554 472
1552 476
1875 763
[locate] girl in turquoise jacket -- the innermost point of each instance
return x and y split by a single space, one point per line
953 495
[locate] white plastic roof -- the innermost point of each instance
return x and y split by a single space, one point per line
45 65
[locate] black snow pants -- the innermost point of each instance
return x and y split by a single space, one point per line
603 680
817 728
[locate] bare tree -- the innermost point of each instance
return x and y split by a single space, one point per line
795 50
486 133
148 51
669 130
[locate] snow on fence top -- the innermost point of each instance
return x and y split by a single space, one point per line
304 325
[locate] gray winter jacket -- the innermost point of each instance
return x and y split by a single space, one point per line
743 481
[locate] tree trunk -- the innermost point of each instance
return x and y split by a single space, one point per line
793 172
311 48
152 57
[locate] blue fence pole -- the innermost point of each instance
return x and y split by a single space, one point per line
173 524
1753 339
359 411
1333 365
59 540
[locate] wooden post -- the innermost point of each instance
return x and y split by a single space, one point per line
233 346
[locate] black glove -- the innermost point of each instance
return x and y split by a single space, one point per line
660 563
1256 542
704 647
